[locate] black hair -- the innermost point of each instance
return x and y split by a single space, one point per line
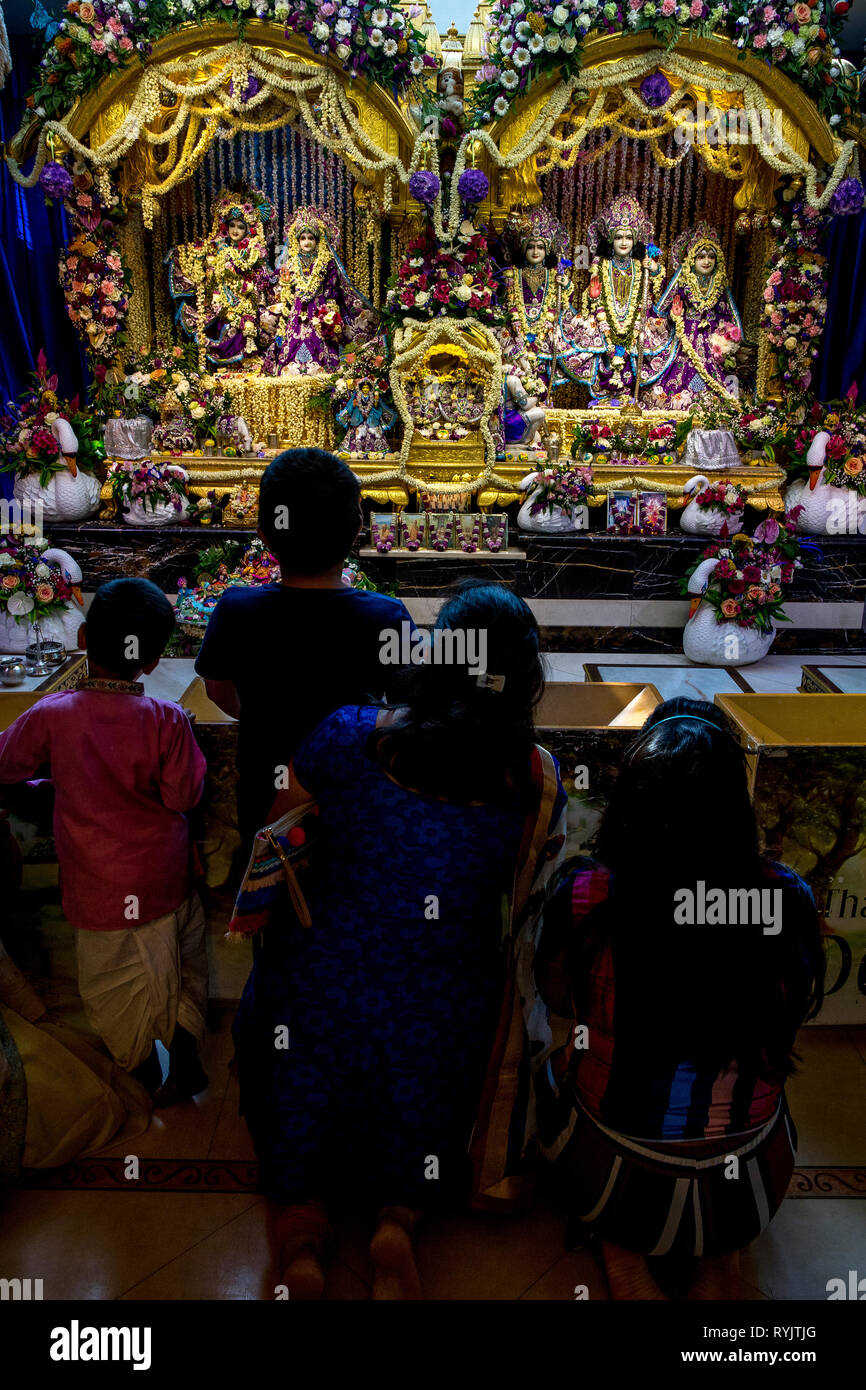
309 510
680 812
128 625
459 739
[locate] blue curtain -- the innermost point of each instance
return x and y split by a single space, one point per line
32 309
843 346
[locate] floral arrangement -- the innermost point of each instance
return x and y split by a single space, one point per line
762 428
720 497
661 444
94 37
27 443
795 302
559 486
95 282
434 280
166 382
208 510
147 483
845 456
747 585
31 588
529 40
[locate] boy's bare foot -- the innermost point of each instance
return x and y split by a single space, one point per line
303 1237
628 1274
395 1274
303 1276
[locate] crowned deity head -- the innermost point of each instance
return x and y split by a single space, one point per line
621 224
242 217
699 255
310 230
540 236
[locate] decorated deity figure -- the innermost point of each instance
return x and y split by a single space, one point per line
708 330
522 414
315 308
605 334
536 289
225 280
366 420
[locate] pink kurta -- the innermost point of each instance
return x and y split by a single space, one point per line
125 769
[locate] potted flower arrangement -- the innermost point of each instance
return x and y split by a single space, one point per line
48 446
660 444
827 469
149 494
715 509
37 584
737 592
555 500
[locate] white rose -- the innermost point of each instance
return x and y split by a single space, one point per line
569 43
343 27
553 43
560 14
5 559
463 292
197 412
422 296
39 543
42 571
182 388
343 51
321 32
51 417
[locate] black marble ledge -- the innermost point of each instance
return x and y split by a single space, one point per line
655 641
108 550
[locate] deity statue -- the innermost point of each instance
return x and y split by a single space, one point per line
605 335
536 289
366 420
704 316
231 269
522 415
316 308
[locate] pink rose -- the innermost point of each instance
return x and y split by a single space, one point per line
768 295
696 9
802 13
126 44
775 278
760 40
108 311
327 9
113 261
114 25
769 13
669 6
107 287
98 46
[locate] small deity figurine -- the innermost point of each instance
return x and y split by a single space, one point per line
523 415
366 420
534 290
605 335
231 266
704 316
315 308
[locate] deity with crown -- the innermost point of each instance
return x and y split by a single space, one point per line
605 334
538 291
701 308
231 269
315 308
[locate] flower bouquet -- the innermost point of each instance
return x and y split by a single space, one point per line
50 448
37 584
845 450
149 494
555 499
432 281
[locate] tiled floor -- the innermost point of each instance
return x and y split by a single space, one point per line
207 1245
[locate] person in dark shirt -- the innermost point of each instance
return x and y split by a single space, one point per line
282 657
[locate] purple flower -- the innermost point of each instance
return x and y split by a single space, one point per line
424 186
473 186
847 199
655 89
56 180
253 86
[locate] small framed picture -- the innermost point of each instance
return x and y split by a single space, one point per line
467 531
622 510
383 531
440 530
413 530
494 531
653 513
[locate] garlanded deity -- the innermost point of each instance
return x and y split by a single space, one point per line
536 289
606 333
221 284
366 418
522 414
708 330
316 308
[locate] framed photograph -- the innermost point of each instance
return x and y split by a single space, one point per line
413 530
622 509
467 531
494 531
653 513
383 531
440 531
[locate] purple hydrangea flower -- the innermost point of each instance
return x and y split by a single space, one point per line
847 199
473 186
56 180
655 89
424 186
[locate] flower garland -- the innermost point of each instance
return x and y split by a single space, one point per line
440 536
385 543
96 284
691 355
31 588
746 586
794 297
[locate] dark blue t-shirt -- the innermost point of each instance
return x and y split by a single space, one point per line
294 656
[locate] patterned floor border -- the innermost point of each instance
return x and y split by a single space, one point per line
232 1175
